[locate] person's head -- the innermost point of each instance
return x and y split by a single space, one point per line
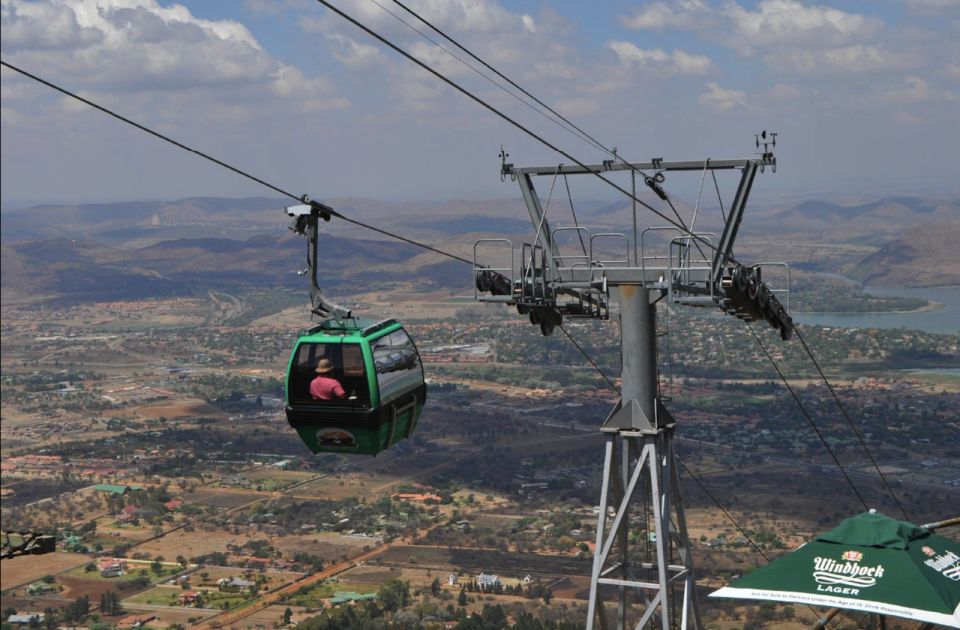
324 366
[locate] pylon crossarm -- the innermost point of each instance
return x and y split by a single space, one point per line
651 565
618 582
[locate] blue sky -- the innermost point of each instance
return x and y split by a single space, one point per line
865 95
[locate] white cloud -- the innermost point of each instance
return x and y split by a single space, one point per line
791 23
138 47
917 90
841 60
310 94
503 38
44 26
658 61
685 14
452 16
352 53
772 24
721 100
528 23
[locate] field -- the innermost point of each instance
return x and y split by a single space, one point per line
191 544
110 532
167 617
371 575
473 561
271 479
27 569
339 487
187 409
328 546
225 498
270 616
92 587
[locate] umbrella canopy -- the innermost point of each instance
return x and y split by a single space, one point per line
871 563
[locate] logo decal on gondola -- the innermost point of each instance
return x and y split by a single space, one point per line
337 438
845 578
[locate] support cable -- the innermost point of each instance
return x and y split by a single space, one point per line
681 225
573 211
156 134
730 518
742 531
612 385
582 134
566 125
719 197
806 415
853 426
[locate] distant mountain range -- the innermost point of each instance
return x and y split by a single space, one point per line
139 223
136 249
877 220
83 269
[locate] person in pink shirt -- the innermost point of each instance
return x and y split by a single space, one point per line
324 386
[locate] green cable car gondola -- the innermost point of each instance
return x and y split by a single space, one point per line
353 386
381 388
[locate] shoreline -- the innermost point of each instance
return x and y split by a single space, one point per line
929 306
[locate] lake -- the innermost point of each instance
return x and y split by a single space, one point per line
944 320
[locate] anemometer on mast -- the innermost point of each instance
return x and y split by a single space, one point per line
549 283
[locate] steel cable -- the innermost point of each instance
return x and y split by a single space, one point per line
806 415
850 422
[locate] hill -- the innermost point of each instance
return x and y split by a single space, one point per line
921 256
139 223
874 222
86 270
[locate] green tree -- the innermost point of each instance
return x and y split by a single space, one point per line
462 597
493 617
394 594
287 614
78 609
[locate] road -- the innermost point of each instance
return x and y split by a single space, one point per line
273 597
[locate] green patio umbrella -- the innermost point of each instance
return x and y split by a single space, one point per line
870 563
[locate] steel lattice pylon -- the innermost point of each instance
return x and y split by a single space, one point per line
637 567
640 468
647 469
